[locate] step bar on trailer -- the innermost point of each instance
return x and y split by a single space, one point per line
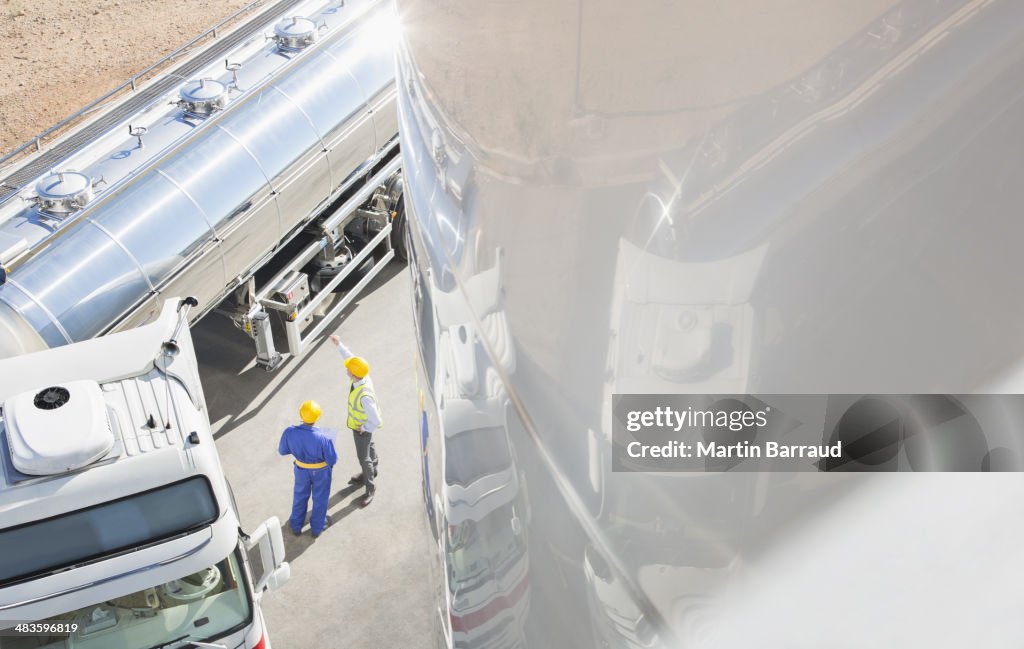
299 306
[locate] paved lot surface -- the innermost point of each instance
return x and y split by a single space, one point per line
363 583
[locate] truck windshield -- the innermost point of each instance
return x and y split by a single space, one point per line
207 604
101 531
482 552
476 453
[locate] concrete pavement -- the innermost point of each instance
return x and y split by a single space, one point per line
364 582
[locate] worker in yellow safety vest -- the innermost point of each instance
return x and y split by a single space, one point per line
363 418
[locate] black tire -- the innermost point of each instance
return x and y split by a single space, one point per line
400 231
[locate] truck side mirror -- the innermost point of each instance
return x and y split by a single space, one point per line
280 576
265 548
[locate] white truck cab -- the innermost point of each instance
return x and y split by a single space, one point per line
118 529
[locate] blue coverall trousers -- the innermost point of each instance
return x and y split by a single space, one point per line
315 482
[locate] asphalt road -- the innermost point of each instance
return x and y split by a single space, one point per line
364 582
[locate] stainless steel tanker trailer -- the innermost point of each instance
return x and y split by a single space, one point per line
266 181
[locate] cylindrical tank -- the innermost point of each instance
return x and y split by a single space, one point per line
668 197
223 191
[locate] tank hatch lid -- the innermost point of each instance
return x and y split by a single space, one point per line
204 96
62 192
57 429
295 33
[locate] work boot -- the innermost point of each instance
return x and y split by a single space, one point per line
367 499
327 524
295 533
357 478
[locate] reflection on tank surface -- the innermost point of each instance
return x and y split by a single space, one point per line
713 198
478 515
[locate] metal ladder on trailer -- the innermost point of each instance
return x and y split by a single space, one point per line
288 291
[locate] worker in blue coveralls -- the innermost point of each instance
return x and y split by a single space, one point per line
315 458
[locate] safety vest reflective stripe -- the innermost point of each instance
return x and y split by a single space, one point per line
307 465
356 414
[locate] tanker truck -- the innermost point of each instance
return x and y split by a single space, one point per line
119 527
260 176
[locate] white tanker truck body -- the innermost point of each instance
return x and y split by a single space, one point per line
119 528
295 133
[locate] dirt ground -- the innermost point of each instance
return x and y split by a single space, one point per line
59 55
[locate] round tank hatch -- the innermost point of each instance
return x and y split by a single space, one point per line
63 192
203 96
295 33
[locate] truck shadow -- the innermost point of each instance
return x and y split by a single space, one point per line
232 383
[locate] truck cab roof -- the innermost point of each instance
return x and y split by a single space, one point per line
97 439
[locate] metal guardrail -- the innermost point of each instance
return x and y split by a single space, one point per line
36 143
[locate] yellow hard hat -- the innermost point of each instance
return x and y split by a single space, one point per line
309 412
358 366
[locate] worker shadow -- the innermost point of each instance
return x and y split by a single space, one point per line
225 357
336 516
296 546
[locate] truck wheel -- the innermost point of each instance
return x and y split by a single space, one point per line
400 232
